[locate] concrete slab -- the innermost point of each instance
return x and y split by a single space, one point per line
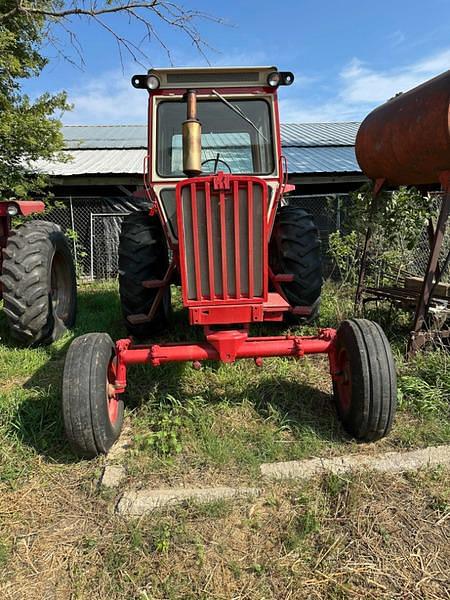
388 462
141 502
120 447
112 475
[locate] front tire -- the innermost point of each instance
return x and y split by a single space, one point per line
92 412
365 386
39 283
295 250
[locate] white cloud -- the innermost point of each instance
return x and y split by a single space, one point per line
364 85
359 88
396 38
107 99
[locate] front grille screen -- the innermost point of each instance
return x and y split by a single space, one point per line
224 241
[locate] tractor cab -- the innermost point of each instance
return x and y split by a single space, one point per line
210 120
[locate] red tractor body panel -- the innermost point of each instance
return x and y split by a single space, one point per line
24 207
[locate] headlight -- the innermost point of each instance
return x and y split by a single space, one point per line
12 210
274 79
152 82
145 82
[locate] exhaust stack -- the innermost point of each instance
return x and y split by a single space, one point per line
192 138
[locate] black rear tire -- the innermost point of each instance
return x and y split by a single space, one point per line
295 249
143 255
39 283
92 423
366 391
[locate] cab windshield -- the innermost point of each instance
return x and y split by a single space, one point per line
230 142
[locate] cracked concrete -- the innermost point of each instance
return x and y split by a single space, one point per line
137 503
388 462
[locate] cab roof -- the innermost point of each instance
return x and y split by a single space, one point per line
206 77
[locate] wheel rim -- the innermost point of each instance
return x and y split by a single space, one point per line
60 287
112 397
344 381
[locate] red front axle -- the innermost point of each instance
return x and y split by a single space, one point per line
226 346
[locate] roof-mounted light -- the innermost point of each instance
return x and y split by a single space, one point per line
145 82
277 78
274 79
153 82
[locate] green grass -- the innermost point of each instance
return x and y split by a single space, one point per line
214 426
219 421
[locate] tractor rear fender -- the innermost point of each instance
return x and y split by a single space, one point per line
24 207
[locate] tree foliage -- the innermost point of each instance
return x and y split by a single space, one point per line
30 128
396 220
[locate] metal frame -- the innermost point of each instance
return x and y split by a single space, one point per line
422 301
226 346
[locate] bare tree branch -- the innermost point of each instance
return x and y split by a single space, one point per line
147 13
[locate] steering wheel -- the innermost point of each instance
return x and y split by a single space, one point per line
216 162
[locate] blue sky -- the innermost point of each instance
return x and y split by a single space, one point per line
348 55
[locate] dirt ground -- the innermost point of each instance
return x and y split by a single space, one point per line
362 536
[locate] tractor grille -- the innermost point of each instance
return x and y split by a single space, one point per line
223 238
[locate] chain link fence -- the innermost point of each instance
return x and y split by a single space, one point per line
419 258
93 226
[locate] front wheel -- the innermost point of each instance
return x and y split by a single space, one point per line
365 384
92 411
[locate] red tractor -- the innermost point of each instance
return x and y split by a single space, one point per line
215 178
37 275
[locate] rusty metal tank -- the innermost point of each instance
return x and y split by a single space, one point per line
407 140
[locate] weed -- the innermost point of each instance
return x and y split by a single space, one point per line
216 509
165 424
334 484
235 569
257 568
301 526
162 537
5 552
89 542
422 397
200 552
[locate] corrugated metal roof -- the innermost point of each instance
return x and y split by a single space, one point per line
331 159
104 136
120 149
97 162
319 134
135 136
